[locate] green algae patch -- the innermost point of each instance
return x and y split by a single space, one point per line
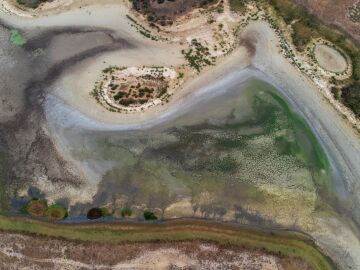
310 148
301 142
293 136
16 38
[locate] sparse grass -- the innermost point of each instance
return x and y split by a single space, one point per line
354 12
307 27
351 97
238 5
278 243
141 29
198 56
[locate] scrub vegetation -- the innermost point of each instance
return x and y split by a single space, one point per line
56 212
39 208
35 208
198 56
354 12
163 12
95 213
238 5
31 3
307 27
351 95
277 243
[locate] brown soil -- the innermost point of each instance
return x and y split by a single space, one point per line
164 12
137 91
35 252
32 3
334 12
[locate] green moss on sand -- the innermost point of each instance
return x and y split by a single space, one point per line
16 38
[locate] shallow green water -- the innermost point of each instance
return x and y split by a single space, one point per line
222 157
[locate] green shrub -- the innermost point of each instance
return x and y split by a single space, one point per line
351 97
126 212
56 212
35 208
149 215
95 213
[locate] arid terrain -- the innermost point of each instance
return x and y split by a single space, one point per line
25 251
336 13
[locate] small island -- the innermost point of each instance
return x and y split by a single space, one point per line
134 89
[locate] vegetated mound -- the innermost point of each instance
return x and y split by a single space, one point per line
127 89
56 212
36 208
39 208
32 3
164 12
329 58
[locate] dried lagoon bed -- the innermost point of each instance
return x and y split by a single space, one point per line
244 142
108 153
